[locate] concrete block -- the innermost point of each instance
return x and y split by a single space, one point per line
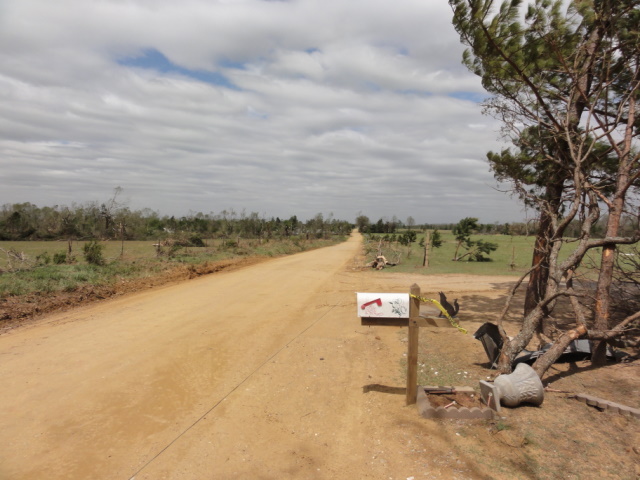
489 395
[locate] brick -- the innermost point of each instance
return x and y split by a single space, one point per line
607 405
426 410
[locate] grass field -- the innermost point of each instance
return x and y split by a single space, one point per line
132 250
38 273
513 256
28 267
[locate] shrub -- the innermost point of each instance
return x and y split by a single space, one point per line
93 253
196 241
229 244
60 258
43 259
407 237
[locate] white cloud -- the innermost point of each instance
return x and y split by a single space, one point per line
340 107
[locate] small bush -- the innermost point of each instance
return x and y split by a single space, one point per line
44 258
93 253
408 237
229 244
60 258
196 241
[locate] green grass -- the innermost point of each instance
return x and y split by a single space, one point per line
513 256
137 259
511 249
53 278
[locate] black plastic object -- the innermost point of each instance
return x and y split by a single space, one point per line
491 340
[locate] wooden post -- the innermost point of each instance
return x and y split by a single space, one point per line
412 353
427 241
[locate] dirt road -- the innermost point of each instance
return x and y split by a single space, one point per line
256 373
266 373
261 373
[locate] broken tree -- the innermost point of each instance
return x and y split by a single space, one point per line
565 85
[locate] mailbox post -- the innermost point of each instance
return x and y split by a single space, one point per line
412 353
398 310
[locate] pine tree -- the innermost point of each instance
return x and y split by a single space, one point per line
565 85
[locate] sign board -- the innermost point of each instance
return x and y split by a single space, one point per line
383 305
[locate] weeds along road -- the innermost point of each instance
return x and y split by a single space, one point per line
256 373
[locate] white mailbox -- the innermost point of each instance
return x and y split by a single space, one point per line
383 305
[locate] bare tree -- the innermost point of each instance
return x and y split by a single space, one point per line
115 217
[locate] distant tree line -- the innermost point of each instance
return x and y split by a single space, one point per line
364 225
110 220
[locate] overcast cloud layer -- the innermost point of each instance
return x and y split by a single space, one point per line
276 107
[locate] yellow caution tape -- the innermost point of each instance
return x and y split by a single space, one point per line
442 309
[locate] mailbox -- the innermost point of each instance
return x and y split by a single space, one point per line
383 308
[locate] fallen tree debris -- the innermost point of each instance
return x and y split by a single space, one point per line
381 262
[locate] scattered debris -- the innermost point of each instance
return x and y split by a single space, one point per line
523 385
16 260
381 262
491 340
427 404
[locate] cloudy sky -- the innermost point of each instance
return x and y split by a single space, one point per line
340 107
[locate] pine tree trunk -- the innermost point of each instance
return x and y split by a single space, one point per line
605 278
607 264
513 347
